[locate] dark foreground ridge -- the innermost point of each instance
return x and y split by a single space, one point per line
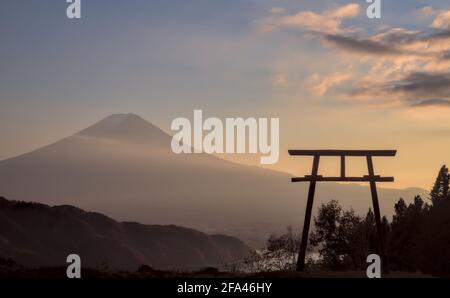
37 235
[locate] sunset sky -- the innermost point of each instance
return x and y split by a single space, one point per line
335 78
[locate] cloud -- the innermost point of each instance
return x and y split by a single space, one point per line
362 46
423 84
395 35
280 80
445 55
400 65
345 11
404 37
395 42
320 85
442 20
427 11
278 10
433 102
412 89
328 21
391 66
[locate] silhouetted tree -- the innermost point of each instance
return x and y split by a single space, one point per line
435 241
280 254
406 230
338 236
288 241
440 191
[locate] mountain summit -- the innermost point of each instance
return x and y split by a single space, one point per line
125 127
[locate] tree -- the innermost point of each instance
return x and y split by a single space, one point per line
351 239
280 254
440 191
337 236
400 211
325 235
370 236
436 237
406 232
288 242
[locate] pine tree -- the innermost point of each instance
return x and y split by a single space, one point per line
440 191
406 231
400 211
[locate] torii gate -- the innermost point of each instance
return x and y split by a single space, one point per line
314 177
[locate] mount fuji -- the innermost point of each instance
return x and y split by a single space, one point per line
123 166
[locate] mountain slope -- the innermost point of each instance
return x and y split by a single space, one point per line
123 166
39 235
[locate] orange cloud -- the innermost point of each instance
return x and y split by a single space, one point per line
319 85
328 21
442 20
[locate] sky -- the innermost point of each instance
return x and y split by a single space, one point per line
335 78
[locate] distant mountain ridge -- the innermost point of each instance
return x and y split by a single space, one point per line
123 166
39 235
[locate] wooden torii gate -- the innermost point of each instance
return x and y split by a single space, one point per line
314 177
